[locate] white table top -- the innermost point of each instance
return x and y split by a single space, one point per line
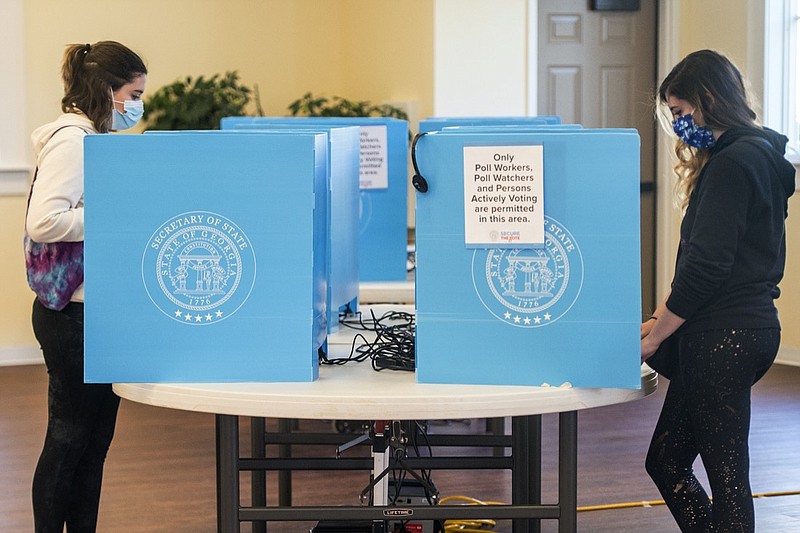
370 292
356 391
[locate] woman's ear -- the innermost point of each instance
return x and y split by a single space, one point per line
709 102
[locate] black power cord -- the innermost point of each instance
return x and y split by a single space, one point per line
393 347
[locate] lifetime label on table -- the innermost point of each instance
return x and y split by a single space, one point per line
504 196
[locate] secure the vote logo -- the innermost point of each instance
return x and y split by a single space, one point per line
198 268
530 287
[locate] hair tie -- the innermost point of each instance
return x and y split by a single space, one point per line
84 52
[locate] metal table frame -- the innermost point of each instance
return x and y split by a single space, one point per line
525 511
357 391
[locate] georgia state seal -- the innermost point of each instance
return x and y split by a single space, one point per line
530 287
198 268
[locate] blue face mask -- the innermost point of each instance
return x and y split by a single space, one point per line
692 134
134 109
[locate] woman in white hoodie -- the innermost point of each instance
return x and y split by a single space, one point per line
103 86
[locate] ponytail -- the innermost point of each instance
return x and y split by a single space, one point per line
73 61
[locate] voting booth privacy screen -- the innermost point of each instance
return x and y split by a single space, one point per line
528 258
206 260
343 202
439 123
382 210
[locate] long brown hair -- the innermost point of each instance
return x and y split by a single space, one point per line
715 87
91 72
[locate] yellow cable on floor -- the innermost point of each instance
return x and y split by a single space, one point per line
654 503
467 525
481 526
625 505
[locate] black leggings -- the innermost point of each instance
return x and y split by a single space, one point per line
80 426
707 412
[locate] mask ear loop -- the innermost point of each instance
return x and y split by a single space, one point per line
417 181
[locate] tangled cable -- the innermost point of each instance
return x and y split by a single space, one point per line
393 347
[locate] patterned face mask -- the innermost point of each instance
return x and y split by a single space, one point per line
691 133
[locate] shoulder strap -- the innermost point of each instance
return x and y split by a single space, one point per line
36 172
30 192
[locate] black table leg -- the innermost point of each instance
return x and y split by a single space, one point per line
285 426
258 482
568 471
526 474
535 467
227 474
497 426
520 468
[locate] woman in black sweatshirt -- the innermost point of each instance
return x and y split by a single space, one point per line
717 332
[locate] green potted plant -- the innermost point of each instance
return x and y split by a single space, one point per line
198 103
321 106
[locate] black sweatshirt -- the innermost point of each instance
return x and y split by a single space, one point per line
733 244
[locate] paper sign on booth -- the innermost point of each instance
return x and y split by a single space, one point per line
374 158
504 196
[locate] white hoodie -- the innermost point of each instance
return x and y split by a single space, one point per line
56 205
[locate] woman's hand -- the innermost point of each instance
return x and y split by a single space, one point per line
647 326
649 346
657 329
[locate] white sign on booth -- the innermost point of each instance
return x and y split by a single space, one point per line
504 196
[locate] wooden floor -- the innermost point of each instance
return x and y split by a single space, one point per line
160 470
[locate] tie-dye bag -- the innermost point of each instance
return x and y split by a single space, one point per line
54 269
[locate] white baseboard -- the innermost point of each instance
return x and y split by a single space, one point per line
20 355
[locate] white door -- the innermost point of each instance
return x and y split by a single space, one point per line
598 69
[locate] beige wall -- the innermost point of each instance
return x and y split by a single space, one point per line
15 313
358 49
718 24
789 302
389 52
352 48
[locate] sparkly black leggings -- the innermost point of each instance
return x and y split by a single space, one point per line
80 426
707 412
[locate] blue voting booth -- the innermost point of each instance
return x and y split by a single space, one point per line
343 200
343 208
528 265
438 123
206 260
383 217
